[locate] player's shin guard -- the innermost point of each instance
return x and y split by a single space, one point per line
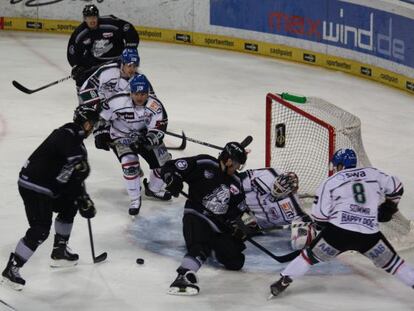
130 168
405 274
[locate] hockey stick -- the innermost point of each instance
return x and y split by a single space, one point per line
183 143
281 258
244 143
193 140
7 305
102 256
24 89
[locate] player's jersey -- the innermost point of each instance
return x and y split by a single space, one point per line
108 82
269 211
91 47
128 120
213 195
350 198
63 147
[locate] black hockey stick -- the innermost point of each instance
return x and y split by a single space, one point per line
244 143
183 143
24 89
281 258
102 256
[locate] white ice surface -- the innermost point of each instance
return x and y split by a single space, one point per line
213 96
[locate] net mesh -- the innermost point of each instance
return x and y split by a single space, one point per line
302 138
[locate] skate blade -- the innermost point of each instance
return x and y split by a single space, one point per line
62 263
15 286
271 296
189 291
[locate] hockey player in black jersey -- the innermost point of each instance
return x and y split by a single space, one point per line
96 41
215 199
52 180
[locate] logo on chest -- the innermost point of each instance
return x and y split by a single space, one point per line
126 115
208 174
107 34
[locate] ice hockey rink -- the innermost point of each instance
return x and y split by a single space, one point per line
214 96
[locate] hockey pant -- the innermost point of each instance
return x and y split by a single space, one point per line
39 211
332 241
155 157
202 240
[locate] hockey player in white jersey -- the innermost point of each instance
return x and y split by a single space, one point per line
111 79
136 121
272 198
347 208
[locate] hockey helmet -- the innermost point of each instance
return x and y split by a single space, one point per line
130 56
85 113
346 157
234 151
139 84
90 10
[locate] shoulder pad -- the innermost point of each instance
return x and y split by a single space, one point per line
153 105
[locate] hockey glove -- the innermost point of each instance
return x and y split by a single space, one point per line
85 206
77 72
386 210
239 229
102 138
285 184
174 183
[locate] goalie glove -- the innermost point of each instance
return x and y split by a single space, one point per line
285 184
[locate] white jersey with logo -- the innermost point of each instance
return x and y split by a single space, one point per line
350 198
107 80
269 211
128 120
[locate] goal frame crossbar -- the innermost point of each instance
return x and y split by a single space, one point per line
270 97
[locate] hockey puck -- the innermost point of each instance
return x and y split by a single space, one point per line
140 261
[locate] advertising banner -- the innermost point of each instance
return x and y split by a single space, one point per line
331 22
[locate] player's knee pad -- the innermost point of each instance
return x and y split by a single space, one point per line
67 215
383 256
130 167
35 236
234 263
321 251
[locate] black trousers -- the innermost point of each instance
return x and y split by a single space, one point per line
201 240
39 212
333 240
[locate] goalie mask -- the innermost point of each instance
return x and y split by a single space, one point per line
285 184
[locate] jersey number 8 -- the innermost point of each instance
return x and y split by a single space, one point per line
359 193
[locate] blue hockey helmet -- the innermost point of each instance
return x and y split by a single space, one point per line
345 157
139 84
130 56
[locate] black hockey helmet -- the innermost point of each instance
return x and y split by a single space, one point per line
85 113
235 151
90 10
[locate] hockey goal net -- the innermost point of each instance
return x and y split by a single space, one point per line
302 134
